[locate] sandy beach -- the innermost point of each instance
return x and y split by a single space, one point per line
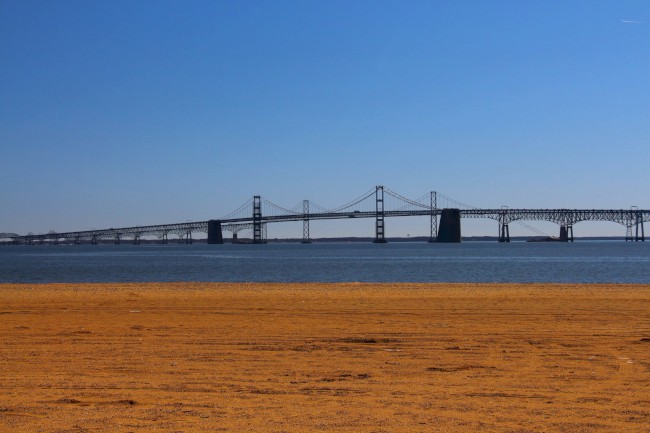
198 357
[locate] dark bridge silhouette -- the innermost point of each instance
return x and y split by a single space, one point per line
379 203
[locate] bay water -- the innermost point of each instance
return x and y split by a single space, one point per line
517 262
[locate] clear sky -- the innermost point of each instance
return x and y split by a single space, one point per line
117 113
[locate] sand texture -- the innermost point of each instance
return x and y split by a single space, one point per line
324 357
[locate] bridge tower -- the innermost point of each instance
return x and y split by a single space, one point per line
379 219
433 204
305 222
257 220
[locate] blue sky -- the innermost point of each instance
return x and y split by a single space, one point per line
116 113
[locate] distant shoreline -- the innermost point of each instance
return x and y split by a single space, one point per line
352 239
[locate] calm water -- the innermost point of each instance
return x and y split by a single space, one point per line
586 262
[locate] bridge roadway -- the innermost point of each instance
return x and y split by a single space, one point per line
632 219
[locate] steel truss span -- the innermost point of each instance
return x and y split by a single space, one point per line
632 219
378 203
182 230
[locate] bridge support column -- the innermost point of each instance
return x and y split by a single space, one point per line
234 237
433 203
379 219
504 232
163 239
638 224
257 220
566 233
449 230
642 238
305 222
136 240
633 233
215 236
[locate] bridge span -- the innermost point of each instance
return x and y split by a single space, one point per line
379 203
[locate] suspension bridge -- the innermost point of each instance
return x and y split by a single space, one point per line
378 203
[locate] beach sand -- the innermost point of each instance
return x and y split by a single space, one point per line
203 357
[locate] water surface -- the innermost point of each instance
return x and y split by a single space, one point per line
579 262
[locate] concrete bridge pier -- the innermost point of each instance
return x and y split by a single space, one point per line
449 228
504 233
635 230
215 236
566 233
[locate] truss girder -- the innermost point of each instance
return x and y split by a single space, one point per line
236 228
562 217
122 233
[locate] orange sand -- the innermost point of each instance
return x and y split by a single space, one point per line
324 357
